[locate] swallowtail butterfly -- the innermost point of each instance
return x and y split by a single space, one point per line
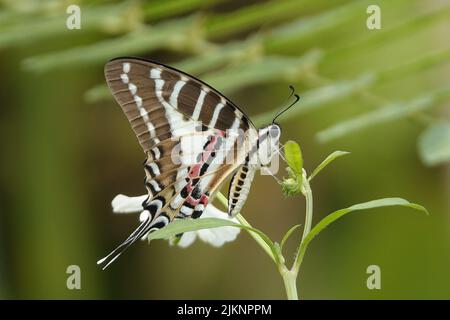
193 138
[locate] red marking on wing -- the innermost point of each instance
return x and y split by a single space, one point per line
194 171
204 199
210 146
192 201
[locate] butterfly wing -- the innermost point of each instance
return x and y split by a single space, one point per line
161 102
169 110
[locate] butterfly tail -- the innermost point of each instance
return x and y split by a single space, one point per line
140 232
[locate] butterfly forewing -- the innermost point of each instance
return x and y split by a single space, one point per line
161 102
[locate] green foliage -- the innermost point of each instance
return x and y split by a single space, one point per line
294 158
434 143
292 185
332 217
327 161
274 250
317 98
288 234
391 112
369 78
181 226
206 45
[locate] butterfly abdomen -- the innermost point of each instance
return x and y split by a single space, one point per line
239 188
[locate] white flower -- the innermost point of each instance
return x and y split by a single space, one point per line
215 236
125 204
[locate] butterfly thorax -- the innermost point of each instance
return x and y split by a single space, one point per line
266 145
263 146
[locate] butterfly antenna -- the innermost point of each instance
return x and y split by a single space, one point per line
283 110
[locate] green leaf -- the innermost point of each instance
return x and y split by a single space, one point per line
292 185
173 34
385 114
267 248
326 162
181 226
288 234
434 144
319 97
265 69
385 202
293 155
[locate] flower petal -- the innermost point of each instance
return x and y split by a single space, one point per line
217 237
125 204
187 239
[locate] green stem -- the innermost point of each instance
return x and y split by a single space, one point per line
290 283
289 276
307 192
244 222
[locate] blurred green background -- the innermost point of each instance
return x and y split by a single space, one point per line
67 148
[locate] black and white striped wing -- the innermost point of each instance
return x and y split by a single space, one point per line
161 102
168 109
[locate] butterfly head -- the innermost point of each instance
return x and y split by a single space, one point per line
269 136
274 132
268 140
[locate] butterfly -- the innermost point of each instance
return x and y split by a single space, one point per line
194 138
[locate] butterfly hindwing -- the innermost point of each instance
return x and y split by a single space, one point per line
189 184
